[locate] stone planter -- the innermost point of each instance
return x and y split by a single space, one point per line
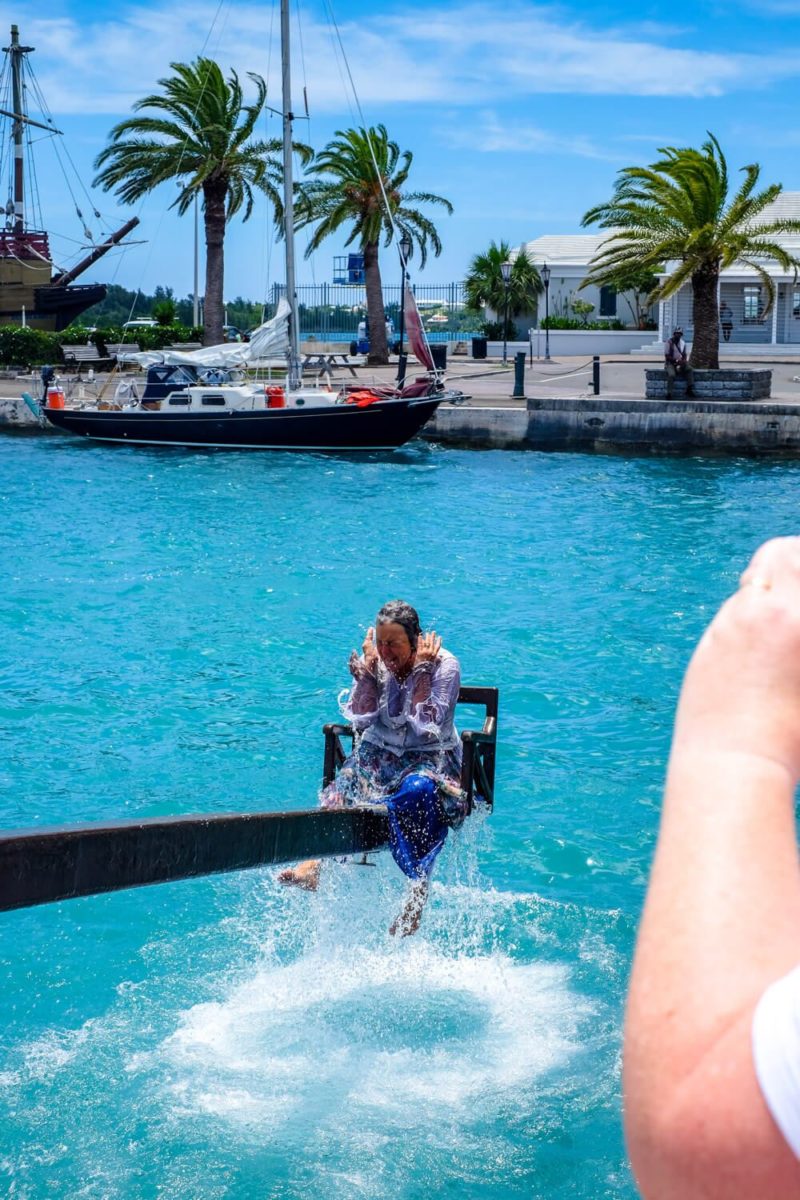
712 385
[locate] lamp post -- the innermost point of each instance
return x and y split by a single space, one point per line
405 250
545 274
506 272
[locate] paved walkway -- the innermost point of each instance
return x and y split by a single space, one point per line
489 383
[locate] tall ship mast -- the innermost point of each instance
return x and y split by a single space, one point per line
32 290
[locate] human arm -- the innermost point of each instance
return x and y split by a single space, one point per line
363 699
435 682
722 916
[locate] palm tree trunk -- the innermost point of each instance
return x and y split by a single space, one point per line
214 214
705 315
376 315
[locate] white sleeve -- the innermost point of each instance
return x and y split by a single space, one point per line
776 1054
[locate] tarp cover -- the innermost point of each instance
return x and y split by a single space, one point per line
269 341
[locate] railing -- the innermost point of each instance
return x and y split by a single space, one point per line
332 312
38 866
27 244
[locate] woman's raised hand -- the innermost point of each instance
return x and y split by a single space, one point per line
428 647
368 662
369 651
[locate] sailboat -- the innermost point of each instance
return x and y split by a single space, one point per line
204 397
32 290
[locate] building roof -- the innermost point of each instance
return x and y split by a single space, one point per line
786 206
578 249
566 249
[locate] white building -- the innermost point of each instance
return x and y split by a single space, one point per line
740 290
568 256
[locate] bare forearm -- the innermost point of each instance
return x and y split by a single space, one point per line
364 696
722 917
722 921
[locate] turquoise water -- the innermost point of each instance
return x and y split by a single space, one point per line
175 628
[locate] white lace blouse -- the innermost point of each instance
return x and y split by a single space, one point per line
382 710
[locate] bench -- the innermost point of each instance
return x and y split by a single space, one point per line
79 356
325 364
185 346
120 349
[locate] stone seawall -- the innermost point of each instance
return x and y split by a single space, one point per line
619 426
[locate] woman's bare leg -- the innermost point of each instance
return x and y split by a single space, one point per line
411 913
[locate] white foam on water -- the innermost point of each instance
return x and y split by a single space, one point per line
388 1032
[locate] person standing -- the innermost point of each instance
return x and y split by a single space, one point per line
726 320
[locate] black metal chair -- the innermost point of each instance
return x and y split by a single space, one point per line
478 748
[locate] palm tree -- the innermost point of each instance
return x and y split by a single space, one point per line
484 286
199 133
358 180
677 212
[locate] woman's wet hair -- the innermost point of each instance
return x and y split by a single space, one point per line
397 612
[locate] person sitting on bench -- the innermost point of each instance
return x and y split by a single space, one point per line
676 362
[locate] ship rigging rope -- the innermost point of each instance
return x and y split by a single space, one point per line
378 173
61 152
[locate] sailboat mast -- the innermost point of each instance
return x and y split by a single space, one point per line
288 201
16 51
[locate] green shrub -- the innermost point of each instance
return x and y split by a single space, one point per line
26 347
493 330
573 323
148 337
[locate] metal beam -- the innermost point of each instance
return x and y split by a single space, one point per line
38 866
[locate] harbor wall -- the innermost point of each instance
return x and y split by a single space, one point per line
576 342
613 425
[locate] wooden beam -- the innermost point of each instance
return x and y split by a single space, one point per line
38 866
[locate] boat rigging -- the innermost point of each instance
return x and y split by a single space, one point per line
32 291
206 398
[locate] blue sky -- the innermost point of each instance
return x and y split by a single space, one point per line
520 114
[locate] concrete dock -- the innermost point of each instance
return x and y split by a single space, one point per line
559 410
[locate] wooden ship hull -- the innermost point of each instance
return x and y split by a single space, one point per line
28 295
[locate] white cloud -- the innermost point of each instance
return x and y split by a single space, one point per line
459 56
491 134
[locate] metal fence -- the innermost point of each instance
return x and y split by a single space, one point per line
331 312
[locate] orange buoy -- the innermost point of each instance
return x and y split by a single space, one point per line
276 397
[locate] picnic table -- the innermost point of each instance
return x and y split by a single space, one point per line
325 364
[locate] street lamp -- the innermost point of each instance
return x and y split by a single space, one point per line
545 274
404 252
506 272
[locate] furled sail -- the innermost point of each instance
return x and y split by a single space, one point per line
416 334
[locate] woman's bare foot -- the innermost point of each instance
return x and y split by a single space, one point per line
304 875
411 913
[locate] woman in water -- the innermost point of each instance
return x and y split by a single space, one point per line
401 706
